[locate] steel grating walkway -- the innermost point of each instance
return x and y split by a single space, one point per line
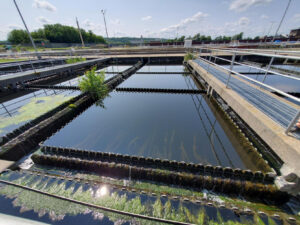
277 110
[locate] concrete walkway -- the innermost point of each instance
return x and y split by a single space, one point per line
277 110
4 164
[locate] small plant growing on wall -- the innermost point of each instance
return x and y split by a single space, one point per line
75 60
188 56
93 83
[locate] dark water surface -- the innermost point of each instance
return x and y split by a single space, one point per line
30 217
171 126
75 81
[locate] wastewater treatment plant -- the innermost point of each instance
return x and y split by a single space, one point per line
165 128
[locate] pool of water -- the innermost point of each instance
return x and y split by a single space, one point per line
15 113
170 126
171 68
74 81
174 81
9 212
115 69
288 67
169 81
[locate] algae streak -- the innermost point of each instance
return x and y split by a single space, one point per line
36 107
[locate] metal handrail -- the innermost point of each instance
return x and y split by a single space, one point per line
251 53
258 68
268 50
297 116
255 81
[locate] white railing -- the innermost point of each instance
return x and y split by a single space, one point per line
261 84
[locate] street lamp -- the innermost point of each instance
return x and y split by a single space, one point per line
32 42
82 42
103 12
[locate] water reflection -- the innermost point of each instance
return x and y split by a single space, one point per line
152 125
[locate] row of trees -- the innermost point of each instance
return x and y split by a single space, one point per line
199 37
55 33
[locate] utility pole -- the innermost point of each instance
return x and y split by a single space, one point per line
287 7
32 42
103 12
82 42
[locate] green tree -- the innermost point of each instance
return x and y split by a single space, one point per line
18 37
238 36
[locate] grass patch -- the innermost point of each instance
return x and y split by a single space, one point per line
75 60
11 60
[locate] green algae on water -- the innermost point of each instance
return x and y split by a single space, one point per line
36 107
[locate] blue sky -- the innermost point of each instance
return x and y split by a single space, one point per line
155 18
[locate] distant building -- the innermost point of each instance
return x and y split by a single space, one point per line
295 33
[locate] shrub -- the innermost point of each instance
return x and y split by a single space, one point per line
75 60
188 56
93 83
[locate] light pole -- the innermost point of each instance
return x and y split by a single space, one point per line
287 7
271 26
82 42
32 42
103 12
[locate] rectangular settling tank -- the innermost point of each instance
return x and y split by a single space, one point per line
179 127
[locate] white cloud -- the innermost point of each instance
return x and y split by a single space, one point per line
88 23
146 18
296 17
186 22
264 17
115 22
42 4
14 26
244 21
243 5
43 20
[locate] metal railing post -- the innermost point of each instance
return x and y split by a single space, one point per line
268 68
292 123
6 109
231 66
20 68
